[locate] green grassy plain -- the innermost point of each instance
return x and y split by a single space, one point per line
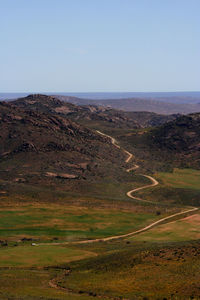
39 256
69 223
185 229
181 178
180 187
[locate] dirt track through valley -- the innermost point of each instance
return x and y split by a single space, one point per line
154 182
53 283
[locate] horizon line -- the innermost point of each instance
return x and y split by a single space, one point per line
88 92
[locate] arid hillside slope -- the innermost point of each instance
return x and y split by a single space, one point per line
43 145
176 143
85 113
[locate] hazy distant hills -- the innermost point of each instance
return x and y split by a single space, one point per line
173 97
161 103
137 104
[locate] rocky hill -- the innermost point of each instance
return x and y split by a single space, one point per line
150 119
181 136
176 143
37 145
83 114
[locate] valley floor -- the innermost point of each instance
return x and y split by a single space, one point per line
49 253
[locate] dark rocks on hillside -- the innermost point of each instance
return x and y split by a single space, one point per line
61 175
43 142
52 105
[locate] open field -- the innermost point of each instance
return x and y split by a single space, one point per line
181 230
180 187
69 223
181 178
29 256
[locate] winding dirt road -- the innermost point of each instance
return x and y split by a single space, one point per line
129 194
53 283
154 182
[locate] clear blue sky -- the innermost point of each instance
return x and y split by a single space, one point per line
99 45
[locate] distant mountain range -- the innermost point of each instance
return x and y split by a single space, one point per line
174 97
137 104
161 103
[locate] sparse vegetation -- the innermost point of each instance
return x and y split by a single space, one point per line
62 182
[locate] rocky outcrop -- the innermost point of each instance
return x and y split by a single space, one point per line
61 175
34 144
